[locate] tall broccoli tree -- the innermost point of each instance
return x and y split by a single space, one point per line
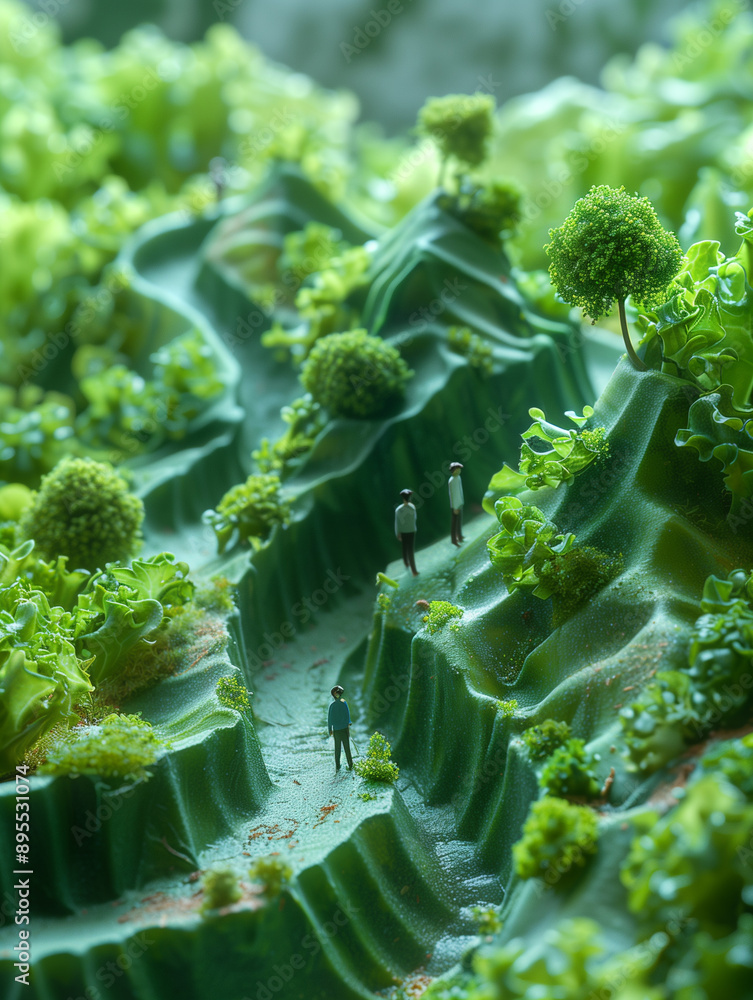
460 125
610 246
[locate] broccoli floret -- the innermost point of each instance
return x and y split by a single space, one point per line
376 765
220 887
354 375
249 511
272 874
556 836
544 739
441 613
84 511
121 746
569 772
463 341
232 694
610 246
460 124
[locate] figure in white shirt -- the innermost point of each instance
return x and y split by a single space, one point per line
456 503
405 529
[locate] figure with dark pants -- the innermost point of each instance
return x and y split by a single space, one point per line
405 529
456 503
338 722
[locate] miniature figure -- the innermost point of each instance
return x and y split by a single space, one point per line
218 175
405 529
456 503
338 721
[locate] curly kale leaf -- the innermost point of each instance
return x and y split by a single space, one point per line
702 333
41 677
691 861
159 578
124 625
720 429
554 455
525 541
123 605
662 721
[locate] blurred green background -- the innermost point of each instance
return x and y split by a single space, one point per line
426 47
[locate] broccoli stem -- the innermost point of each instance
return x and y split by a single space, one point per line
637 363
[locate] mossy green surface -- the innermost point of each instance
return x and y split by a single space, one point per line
383 886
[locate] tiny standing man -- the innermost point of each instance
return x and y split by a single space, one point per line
338 722
405 529
456 503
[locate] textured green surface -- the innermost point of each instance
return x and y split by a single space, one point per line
380 887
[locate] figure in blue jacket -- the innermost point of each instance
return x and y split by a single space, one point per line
338 721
